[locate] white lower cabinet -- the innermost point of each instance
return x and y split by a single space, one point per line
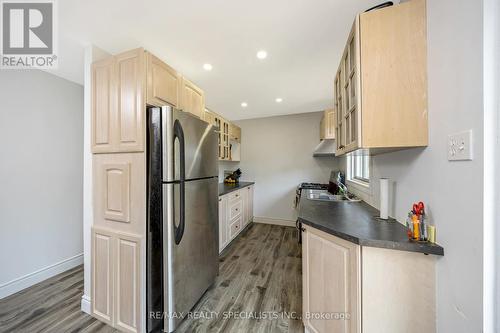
116 279
348 288
235 212
223 228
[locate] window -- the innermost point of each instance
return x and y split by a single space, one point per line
358 169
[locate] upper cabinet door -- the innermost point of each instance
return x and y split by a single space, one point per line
209 117
103 94
234 132
118 103
327 125
162 83
130 67
192 98
394 76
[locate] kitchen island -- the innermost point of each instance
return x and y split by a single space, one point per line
351 261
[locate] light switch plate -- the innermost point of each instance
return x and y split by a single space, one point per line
460 146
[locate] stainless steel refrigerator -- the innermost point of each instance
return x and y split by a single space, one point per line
182 238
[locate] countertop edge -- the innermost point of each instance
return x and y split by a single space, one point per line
227 188
424 248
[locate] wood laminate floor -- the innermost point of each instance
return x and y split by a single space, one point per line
259 289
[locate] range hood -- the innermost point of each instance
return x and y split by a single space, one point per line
326 147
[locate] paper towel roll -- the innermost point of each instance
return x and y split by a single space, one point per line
384 198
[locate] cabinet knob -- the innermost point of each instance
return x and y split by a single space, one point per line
220 199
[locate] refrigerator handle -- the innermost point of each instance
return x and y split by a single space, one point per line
179 135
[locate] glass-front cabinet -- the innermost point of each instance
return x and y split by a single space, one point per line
380 87
346 95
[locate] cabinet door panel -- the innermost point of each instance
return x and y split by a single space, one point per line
331 283
117 192
103 94
394 56
250 203
130 100
193 98
223 225
235 208
102 275
244 208
163 83
128 275
235 227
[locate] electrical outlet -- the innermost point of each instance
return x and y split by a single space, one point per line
460 146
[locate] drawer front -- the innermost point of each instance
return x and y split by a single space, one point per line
235 227
235 209
234 195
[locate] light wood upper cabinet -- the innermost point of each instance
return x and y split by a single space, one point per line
209 117
327 125
229 136
330 124
130 73
163 83
118 103
192 98
380 87
103 100
331 282
234 132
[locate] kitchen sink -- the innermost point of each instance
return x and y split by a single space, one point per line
324 195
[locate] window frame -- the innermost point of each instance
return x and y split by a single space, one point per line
359 183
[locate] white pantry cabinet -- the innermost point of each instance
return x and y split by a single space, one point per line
348 288
235 213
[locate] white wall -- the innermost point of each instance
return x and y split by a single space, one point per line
491 262
41 130
452 191
276 153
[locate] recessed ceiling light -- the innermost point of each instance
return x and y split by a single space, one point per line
262 54
244 104
207 67
279 100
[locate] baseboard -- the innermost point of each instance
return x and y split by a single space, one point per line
30 279
268 220
86 304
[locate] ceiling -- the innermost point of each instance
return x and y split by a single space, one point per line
303 39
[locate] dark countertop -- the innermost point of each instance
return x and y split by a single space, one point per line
228 188
356 222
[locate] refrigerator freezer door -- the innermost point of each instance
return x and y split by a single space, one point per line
192 264
184 135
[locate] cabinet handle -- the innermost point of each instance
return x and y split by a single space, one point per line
341 147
